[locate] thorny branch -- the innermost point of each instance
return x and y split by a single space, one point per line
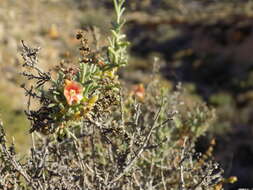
182 184
12 160
139 152
31 62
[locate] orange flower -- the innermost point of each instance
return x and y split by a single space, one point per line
73 92
139 91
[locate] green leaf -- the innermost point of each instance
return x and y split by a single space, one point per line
177 122
51 105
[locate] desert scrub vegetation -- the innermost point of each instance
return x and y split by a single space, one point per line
89 132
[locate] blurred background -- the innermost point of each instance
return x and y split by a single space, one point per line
205 44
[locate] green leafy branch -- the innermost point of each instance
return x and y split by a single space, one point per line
117 50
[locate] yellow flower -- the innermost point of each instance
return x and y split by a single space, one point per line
111 73
92 101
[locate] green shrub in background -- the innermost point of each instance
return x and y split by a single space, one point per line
11 117
91 133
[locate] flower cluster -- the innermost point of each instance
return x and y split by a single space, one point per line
76 94
79 93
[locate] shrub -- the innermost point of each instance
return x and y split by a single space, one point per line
90 133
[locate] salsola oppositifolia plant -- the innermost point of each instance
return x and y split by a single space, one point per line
88 134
